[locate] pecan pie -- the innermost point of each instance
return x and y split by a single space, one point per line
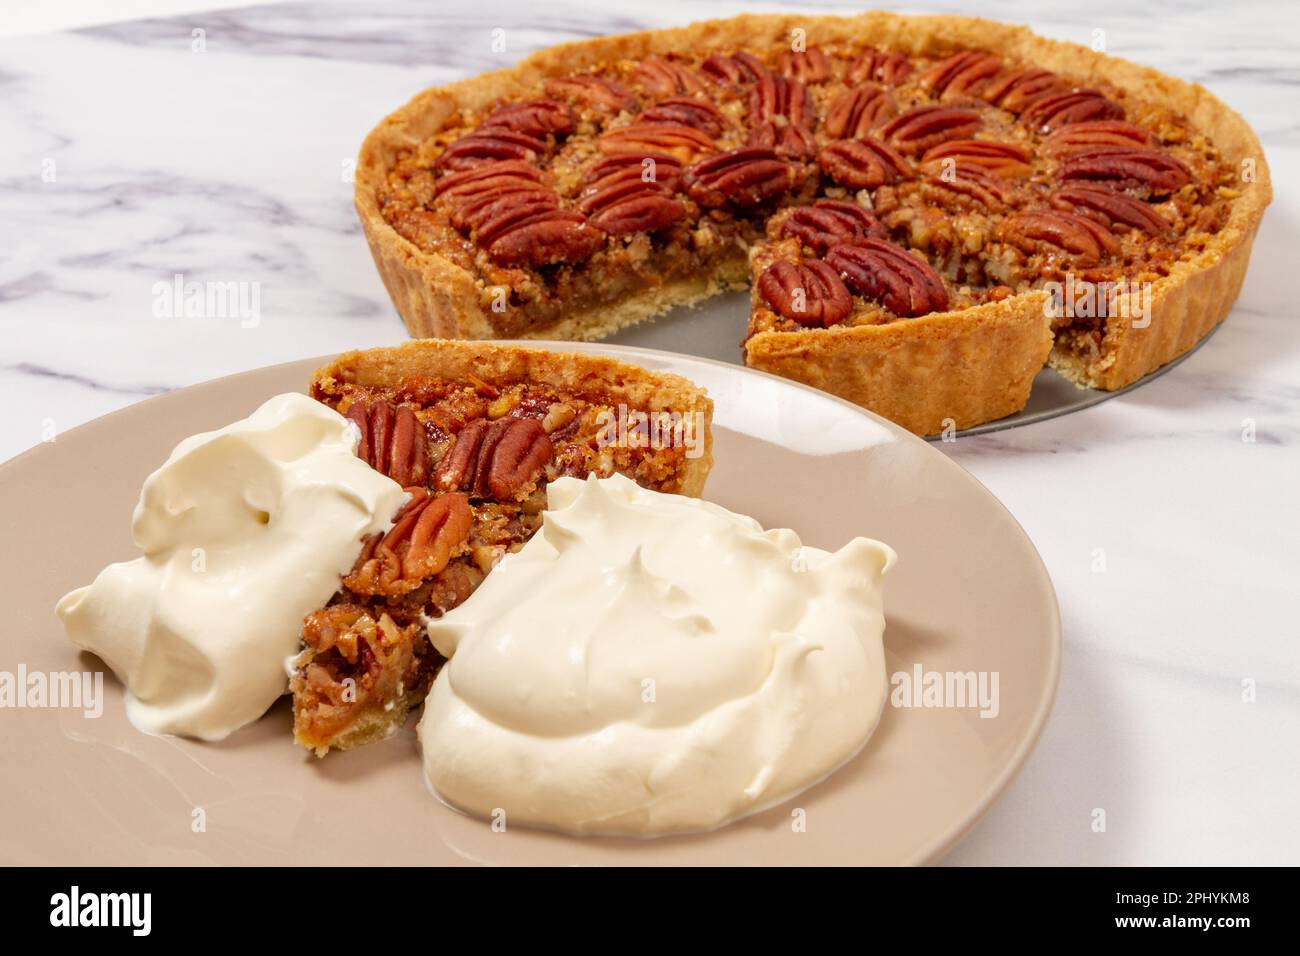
913 201
474 432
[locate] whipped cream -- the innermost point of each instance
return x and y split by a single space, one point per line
245 530
650 664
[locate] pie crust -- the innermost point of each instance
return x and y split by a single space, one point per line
939 371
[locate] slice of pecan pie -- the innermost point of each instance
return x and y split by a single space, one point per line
927 209
474 432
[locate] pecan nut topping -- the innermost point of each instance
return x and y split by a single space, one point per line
888 68
393 441
1054 231
744 177
1081 137
1077 106
961 74
1115 208
807 66
863 163
807 292
496 211
972 183
1148 172
490 145
782 111
737 69
683 111
917 130
660 77
593 91
1003 159
495 459
658 168
858 111
903 283
425 533
630 205
486 179
1017 91
536 118
786 139
828 222
780 96
683 142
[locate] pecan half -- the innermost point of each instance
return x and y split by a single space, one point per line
1004 159
1018 91
780 96
630 204
537 118
858 111
1053 231
808 66
781 109
485 179
960 75
743 177
807 292
683 111
917 130
787 139
863 163
490 145
736 69
650 168
593 91
660 77
491 212
828 222
393 440
903 283
495 459
684 142
1114 208
1076 106
1148 172
1081 137
973 183
888 68
425 533
545 237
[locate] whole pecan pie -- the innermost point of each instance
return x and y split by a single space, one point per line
473 432
926 209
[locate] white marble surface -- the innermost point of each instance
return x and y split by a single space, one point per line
228 165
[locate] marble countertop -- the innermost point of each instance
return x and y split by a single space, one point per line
130 158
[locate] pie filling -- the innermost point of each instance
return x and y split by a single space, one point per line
867 187
475 459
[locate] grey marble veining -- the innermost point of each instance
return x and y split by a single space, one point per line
128 159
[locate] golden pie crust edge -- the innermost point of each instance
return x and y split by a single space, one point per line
943 370
498 363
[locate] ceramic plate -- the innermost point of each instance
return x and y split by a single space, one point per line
969 601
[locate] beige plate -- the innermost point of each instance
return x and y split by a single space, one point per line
969 594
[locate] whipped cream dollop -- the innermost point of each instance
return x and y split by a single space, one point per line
245 530
649 664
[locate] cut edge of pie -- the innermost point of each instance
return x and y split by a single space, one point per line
394 667
941 370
